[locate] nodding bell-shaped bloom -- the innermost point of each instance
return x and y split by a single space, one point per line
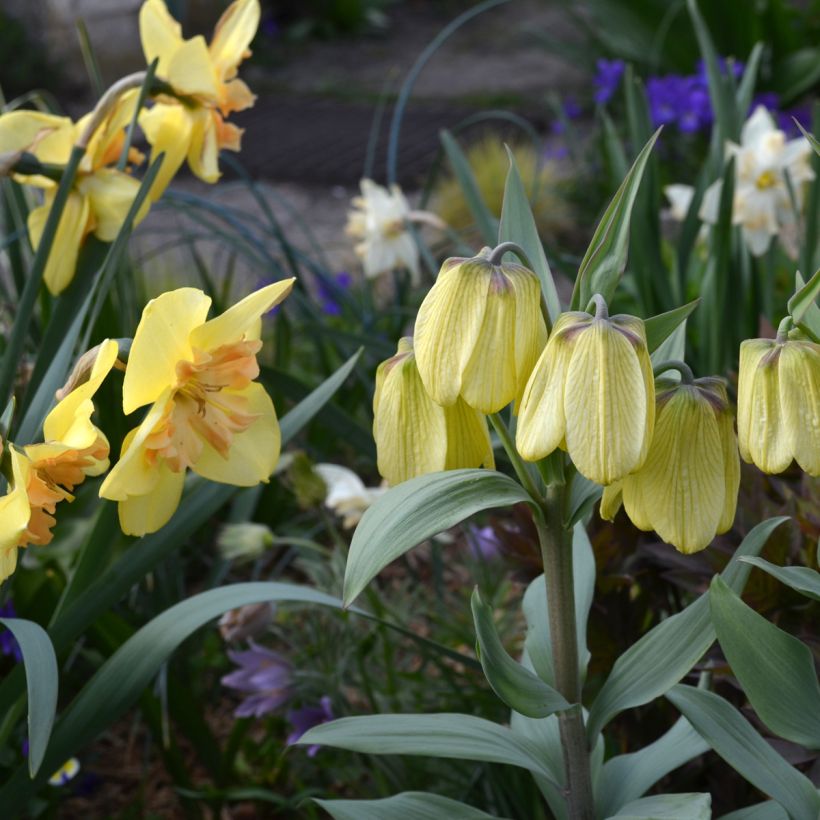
687 488
479 332
43 475
778 404
593 394
192 125
413 434
380 220
101 195
206 413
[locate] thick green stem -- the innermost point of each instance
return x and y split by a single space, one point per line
517 462
556 553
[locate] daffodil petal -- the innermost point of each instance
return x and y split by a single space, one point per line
14 513
110 194
242 321
142 514
800 401
203 150
468 439
448 325
70 420
29 130
160 34
71 231
191 72
161 340
233 35
253 453
168 130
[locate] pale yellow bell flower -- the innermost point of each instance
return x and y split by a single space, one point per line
687 488
592 393
101 195
206 413
778 404
204 77
414 435
479 332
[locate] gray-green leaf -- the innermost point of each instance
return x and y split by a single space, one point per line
801 579
668 807
404 806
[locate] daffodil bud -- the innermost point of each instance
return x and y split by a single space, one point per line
593 394
687 488
479 332
778 404
413 434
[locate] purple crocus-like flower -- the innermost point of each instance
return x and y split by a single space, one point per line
8 643
607 78
572 110
264 676
306 718
327 294
484 543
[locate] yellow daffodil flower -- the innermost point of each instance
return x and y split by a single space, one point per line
413 434
44 474
687 488
380 220
101 195
778 404
204 76
206 413
479 332
592 393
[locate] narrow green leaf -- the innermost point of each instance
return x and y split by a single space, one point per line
660 327
519 688
746 89
518 225
775 669
669 807
605 258
813 141
661 658
760 811
801 579
734 739
404 806
803 305
448 735
628 777
413 511
486 223
42 680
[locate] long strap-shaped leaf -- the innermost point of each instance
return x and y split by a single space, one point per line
404 806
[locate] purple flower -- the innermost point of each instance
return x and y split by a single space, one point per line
8 643
484 543
607 78
572 110
264 676
328 293
785 120
306 718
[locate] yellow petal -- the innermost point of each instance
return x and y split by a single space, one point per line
160 34
142 514
634 502
634 327
488 379
69 421
448 324
541 421
107 142
34 131
605 404
611 501
190 71
14 513
771 440
168 130
530 328
110 194
235 96
751 352
242 321
71 231
161 340
731 468
133 474
800 401
468 439
233 35
254 453
203 151
409 427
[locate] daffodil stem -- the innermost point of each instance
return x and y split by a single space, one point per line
107 102
556 552
686 374
517 462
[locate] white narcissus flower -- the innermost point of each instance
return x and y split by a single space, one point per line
762 203
379 221
346 494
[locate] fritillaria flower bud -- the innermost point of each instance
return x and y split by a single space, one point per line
778 404
592 393
479 332
687 489
413 434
